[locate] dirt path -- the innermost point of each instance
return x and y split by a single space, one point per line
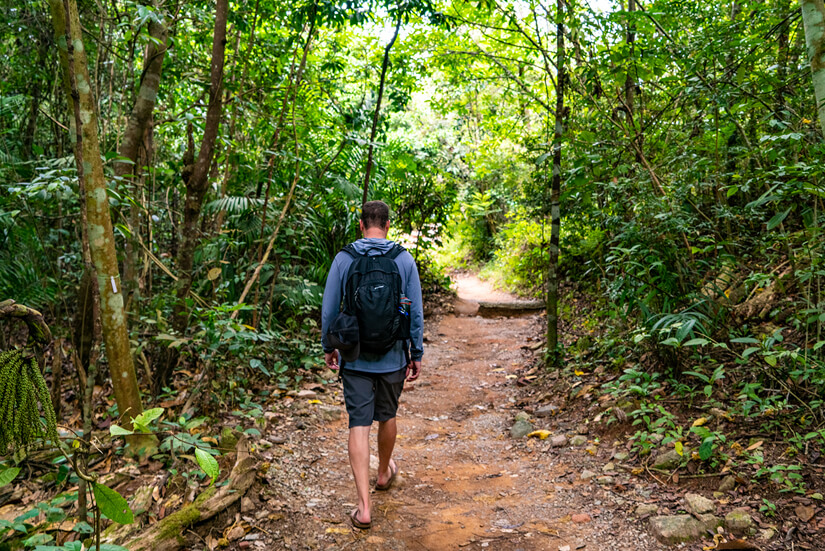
464 482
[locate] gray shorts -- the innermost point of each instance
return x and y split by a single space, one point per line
372 396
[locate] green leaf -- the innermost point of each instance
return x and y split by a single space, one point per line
749 351
142 421
771 360
706 449
83 528
778 218
745 340
207 463
116 430
670 342
7 475
38 539
697 342
112 504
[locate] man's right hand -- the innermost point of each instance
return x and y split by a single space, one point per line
413 370
331 359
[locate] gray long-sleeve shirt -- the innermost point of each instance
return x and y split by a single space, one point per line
411 285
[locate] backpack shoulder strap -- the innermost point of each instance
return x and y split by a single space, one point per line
350 250
396 250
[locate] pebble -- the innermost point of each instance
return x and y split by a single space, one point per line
578 440
609 468
605 480
621 456
558 441
588 475
581 518
699 505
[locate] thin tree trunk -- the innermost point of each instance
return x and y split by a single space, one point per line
813 17
101 237
196 179
129 167
384 65
555 194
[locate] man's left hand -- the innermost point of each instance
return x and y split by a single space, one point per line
331 359
413 370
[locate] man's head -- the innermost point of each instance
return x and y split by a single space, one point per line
375 218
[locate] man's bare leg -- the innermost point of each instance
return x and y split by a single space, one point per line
359 460
387 431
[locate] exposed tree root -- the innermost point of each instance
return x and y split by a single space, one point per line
167 535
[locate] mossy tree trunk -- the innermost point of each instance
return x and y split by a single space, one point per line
813 17
81 104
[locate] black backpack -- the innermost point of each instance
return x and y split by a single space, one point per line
372 293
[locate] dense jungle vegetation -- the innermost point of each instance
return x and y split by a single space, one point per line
176 177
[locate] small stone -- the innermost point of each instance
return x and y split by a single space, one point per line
522 416
676 529
582 429
609 468
330 413
235 533
728 483
375 540
646 509
547 411
252 537
621 456
229 438
710 522
270 415
767 534
558 441
580 518
300 425
307 394
699 505
245 545
277 440
605 480
247 505
667 460
588 475
578 440
521 428
655 437
738 521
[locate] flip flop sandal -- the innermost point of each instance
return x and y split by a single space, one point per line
353 516
388 485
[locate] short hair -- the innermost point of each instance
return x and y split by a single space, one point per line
375 214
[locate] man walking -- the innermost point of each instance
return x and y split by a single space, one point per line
376 361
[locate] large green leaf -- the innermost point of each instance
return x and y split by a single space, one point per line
207 463
7 475
112 504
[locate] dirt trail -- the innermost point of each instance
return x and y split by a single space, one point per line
464 482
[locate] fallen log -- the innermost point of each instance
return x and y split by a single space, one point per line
489 309
167 535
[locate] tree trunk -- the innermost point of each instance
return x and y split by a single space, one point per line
813 17
101 238
129 167
196 179
555 193
384 65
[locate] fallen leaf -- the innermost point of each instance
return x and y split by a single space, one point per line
700 422
542 434
336 530
804 512
754 446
